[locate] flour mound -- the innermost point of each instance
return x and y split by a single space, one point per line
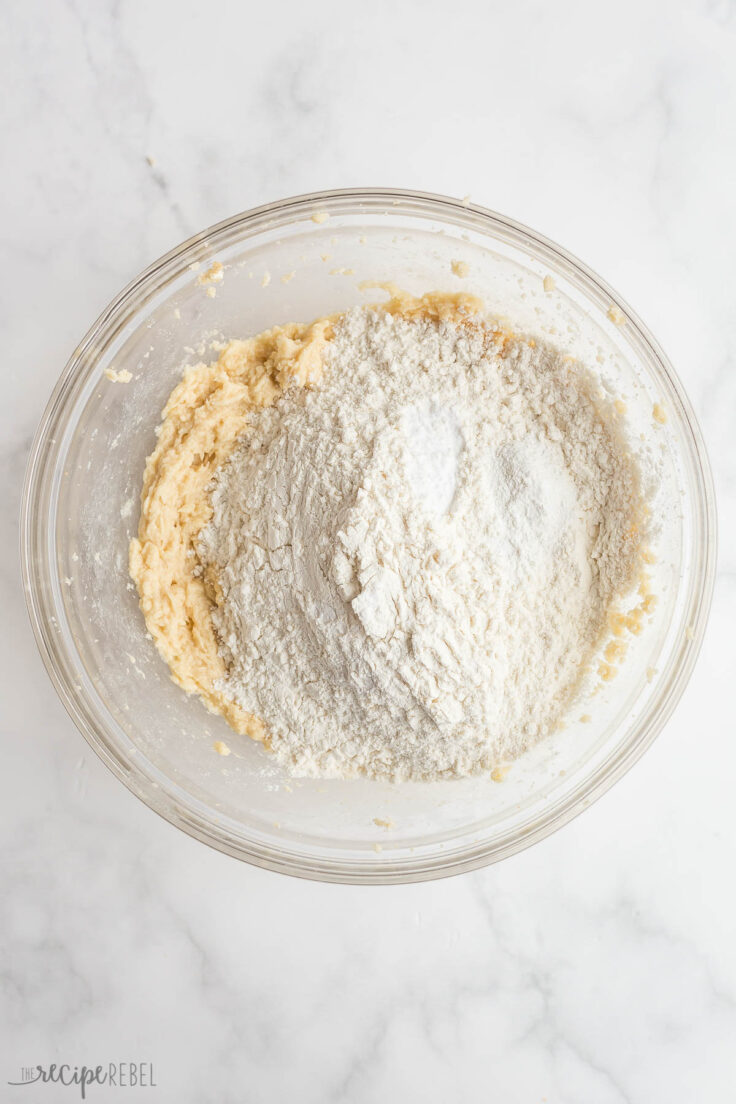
416 558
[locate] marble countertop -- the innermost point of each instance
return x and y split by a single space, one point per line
599 967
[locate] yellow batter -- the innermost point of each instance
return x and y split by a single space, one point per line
202 422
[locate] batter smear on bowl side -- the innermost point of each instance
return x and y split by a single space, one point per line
393 542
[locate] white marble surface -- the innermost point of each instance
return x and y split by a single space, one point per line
598 967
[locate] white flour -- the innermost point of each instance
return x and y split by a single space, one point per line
417 556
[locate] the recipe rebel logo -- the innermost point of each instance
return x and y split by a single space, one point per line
116 1075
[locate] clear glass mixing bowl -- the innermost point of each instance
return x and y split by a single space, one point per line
80 508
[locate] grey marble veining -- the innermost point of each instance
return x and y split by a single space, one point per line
598 967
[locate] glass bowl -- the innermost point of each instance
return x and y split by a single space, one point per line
80 508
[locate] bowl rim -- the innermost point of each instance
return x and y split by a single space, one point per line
38 494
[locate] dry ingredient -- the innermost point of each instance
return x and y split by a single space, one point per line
417 530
